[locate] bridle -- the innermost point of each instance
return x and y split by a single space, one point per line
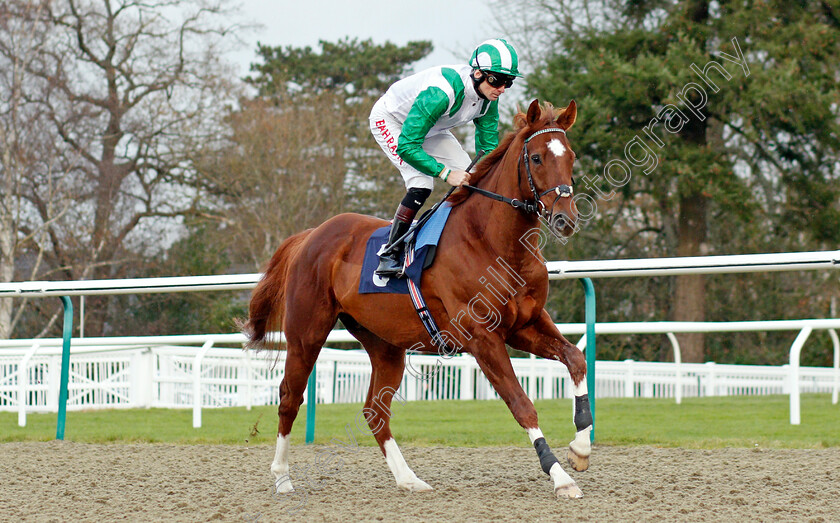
536 206
531 207
562 190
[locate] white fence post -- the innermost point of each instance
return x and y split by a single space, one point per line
532 378
23 383
466 392
165 389
836 342
54 377
150 362
711 380
548 378
142 378
329 390
197 383
675 344
795 351
629 380
136 379
412 383
249 378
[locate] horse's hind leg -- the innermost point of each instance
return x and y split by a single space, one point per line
303 344
388 363
299 363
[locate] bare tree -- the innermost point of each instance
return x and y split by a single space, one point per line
283 170
27 157
126 91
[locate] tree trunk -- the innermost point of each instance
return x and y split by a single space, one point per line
690 291
7 272
8 231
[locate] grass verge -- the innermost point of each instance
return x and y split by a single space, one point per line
742 421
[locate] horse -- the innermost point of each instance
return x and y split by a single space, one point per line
312 280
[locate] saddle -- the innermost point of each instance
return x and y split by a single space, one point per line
420 250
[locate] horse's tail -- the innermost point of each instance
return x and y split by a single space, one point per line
268 300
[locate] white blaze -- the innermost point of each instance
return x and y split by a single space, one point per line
557 147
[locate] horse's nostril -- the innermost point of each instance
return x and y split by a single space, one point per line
559 222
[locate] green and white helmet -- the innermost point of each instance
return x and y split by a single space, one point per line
496 56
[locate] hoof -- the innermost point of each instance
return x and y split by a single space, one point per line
571 491
579 463
284 488
283 484
418 485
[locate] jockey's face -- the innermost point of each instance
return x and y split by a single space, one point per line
489 92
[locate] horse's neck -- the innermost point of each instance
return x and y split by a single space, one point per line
504 230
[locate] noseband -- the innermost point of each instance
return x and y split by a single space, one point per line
535 206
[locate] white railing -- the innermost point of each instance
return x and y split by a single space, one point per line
727 264
804 327
31 363
210 371
41 289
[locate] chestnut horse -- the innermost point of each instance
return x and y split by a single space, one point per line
313 280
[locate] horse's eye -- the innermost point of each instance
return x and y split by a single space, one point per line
536 159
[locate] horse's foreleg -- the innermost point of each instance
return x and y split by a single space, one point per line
388 363
544 340
581 447
495 364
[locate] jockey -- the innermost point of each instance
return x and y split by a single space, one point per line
412 122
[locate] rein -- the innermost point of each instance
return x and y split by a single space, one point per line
428 214
536 206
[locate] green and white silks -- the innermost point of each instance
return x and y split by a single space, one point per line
427 104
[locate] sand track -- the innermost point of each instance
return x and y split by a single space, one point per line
65 481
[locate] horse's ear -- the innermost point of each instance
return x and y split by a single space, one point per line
533 112
567 116
519 118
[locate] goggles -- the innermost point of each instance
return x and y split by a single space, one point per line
497 80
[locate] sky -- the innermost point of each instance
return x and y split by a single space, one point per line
454 27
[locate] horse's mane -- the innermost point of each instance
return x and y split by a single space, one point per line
547 114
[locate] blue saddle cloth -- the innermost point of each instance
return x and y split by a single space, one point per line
423 246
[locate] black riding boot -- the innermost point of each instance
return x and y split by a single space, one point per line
391 264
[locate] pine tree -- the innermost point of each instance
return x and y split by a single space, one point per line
704 128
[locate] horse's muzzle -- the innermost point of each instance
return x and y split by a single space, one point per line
562 218
562 224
